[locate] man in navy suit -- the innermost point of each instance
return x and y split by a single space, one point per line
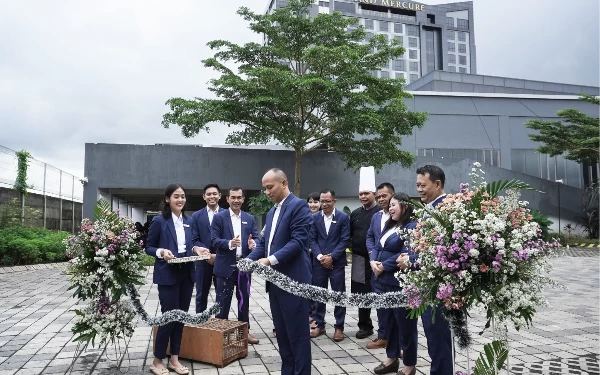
233 233
385 192
284 247
430 186
201 237
328 240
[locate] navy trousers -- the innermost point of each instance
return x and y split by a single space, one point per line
173 297
241 282
293 338
204 277
337 278
381 316
401 332
439 341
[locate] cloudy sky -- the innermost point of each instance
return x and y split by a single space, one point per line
73 72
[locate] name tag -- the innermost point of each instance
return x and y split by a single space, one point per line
244 222
186 225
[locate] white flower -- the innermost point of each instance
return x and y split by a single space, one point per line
477 164
474 253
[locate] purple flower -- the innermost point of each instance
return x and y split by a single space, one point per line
496 266
445 291
464 187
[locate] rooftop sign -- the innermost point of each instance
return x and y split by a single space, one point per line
394 4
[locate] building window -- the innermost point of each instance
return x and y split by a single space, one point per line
398 28
451 35
344 7
414 77
373 73
451 58
412 42
451 47
324 4
462 24
462 70
431 18
398 65
451 68
450 21
400 40
424 152
412 54
462 60
414 66
369 36
412 30
462 48
383 26
462 36
399 75
384 74
369 25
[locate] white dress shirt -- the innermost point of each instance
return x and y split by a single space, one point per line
386 235
179 232
211 214
236 222
272 258
384 218
327 220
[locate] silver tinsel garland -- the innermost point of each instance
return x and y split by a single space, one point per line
169 316
189 259
315 293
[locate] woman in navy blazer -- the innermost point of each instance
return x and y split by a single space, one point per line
170 236
401 332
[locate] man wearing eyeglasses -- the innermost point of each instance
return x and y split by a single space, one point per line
329 237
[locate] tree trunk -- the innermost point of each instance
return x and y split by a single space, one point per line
298 156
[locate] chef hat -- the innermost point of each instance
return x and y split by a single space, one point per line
367 179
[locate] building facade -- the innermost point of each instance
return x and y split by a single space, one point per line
436 37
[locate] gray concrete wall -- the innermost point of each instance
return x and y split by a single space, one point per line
154 167
53 217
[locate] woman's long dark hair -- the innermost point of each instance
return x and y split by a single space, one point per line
406 216
165 208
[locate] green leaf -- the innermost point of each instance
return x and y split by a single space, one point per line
492 358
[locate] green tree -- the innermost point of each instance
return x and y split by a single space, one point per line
578 135
308 87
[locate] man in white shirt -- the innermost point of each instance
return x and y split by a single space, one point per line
201 237
329 238
285 248
385 192
233 232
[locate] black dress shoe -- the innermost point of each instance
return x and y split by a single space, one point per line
363 333
392 367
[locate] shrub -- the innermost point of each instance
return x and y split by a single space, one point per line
23 245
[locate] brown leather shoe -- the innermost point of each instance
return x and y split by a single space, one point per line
317 332
377 344
252 340
338 335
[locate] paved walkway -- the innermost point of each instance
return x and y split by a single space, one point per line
35 336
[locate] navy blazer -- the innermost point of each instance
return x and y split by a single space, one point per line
201 233
374 232
334 243
290 240
161 234
222 232
388 253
